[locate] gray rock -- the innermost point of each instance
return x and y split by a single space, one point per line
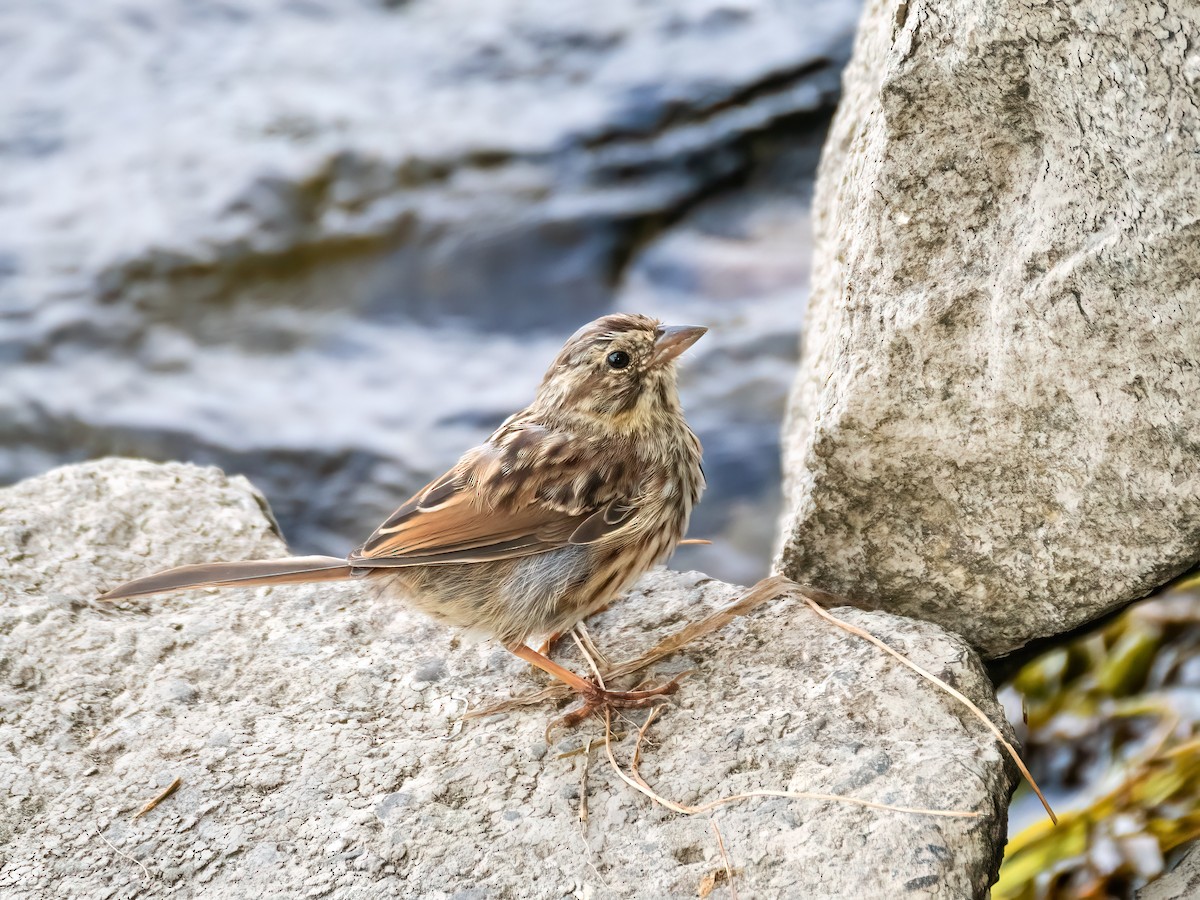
733 264
995 426
317 755
1181 883
311 237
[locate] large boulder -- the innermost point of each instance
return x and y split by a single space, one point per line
331 245
318 737
995 424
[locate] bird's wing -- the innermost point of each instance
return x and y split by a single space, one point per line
525 492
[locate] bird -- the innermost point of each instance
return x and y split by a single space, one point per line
565 505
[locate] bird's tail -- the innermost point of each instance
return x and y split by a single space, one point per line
296 570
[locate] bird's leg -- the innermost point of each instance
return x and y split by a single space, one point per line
595 698
548 643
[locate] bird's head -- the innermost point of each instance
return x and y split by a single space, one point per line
618 371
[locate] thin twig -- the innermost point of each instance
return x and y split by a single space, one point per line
120 852
637 747
639 784
554 691
583 783
767 589
587 656
170 789
797 795
867 636
597 655
588 857
724 858
586 748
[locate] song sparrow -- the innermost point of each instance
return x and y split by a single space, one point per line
563 508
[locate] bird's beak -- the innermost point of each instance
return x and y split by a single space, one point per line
673 340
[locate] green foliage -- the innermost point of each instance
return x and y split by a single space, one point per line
1115 718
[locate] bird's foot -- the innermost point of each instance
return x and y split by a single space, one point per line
597 699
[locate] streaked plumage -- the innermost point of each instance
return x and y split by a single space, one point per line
562 508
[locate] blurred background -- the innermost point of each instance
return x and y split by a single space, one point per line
331 245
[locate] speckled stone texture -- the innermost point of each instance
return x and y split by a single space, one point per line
995 425
317 732
1181 883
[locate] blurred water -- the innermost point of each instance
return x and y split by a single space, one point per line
332 247
339 426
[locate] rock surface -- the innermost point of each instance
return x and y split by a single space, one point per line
995 426
1181 883
331 245
317 733
732 264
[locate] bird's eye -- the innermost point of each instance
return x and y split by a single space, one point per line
618 359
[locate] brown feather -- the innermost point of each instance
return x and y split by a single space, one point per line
567 503
486 508
294 570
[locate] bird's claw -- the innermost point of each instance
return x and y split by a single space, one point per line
597 699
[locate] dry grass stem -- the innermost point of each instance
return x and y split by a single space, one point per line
694 541
589 857
534 698
583 783
724 858
587 748
957 695
583 650
581 631
170 789
767 589
122 853
639 784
